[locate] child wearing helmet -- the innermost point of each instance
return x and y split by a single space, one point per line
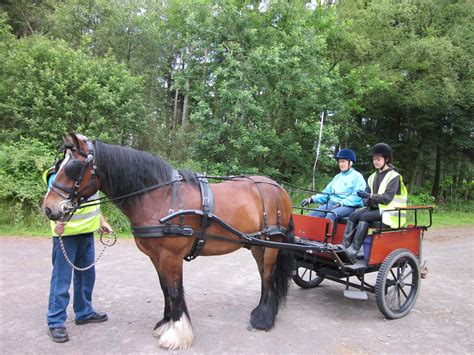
340 195
384 193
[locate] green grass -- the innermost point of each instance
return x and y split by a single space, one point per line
446 219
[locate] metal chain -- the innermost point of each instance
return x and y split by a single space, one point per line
101 233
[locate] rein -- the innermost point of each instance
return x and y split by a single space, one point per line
105 199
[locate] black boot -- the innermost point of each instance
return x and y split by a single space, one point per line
348 232
359 236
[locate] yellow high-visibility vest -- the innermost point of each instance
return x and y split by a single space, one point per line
84 220
392 217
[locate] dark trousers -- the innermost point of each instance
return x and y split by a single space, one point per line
365 215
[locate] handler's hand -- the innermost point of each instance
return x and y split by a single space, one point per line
106 228
306 201
363 194
59 229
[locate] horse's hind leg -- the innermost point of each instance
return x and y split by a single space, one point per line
263 316
275 267
174 330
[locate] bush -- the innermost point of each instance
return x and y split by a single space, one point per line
421 199
22 164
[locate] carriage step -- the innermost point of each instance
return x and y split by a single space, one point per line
356 295
358 265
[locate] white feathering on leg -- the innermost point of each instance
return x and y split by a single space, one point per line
162 329
175 335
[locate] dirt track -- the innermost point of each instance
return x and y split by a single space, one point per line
221 292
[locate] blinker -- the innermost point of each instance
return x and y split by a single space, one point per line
73 169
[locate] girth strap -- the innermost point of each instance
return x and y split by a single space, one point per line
161 231
207 203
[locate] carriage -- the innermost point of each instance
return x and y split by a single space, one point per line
177 215
394 254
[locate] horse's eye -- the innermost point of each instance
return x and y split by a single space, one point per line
57 165
73 169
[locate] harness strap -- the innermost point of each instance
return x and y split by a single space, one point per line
175 176
161 231
265 219
207 203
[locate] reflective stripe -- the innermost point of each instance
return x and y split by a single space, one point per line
86 220
391 217
399 199
76 217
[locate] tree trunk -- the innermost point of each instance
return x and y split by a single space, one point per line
418 160
317 150
437 177
129 47
184 118
175 109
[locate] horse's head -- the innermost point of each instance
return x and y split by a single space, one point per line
75 179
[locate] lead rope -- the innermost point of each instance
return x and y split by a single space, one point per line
106 244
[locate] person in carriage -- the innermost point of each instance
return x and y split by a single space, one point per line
384 193
339 198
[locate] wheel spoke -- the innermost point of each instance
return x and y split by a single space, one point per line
304 273
403 268
401 289
389 292
393 298
399 298
394 276
408 274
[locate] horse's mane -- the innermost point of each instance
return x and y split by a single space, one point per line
123 170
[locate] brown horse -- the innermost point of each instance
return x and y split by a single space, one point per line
146 189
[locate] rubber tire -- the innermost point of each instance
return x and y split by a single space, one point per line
311 282
392 260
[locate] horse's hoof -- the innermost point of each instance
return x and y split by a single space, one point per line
250 328
175 335
161 329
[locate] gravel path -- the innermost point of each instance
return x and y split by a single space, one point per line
221 291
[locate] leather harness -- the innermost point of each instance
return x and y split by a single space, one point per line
207 218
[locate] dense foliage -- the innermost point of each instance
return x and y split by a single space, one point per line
233 86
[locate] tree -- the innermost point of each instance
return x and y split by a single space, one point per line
423 111
48 89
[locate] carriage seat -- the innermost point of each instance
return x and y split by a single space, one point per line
376 224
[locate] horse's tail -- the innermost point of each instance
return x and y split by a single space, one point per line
285 267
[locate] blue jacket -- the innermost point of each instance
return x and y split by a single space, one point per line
343 189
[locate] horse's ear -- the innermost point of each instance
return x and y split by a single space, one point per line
72 138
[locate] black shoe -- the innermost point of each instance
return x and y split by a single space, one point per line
97 317
58 335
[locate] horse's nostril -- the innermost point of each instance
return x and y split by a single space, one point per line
47 210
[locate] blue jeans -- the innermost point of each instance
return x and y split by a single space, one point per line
339 212
80 250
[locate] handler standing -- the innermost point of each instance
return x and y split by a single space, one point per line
79 245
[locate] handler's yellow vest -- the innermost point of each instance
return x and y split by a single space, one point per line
391 216
84 220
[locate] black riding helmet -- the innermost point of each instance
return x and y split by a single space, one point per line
383 150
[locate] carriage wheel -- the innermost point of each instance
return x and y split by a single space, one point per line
306 278
398 283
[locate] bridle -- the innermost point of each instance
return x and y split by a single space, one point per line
75 170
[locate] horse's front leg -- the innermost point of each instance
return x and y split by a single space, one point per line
174 330
167 302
